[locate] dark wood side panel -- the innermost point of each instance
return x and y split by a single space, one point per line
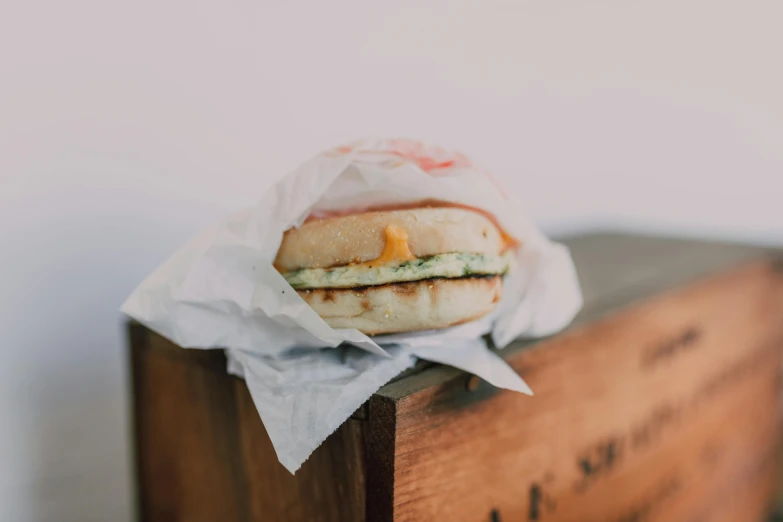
202 453
328 487
188 460
382 431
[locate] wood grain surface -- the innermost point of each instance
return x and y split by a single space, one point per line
649 414
203 455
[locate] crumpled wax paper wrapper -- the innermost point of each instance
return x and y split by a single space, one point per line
306 378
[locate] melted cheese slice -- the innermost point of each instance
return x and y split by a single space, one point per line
395 250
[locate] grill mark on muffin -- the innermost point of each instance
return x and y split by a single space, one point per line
328 295
404 289
375 322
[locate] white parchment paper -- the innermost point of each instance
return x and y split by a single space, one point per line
221 291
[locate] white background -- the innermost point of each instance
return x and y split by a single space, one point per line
127 126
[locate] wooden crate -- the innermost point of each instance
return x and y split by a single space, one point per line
662 402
